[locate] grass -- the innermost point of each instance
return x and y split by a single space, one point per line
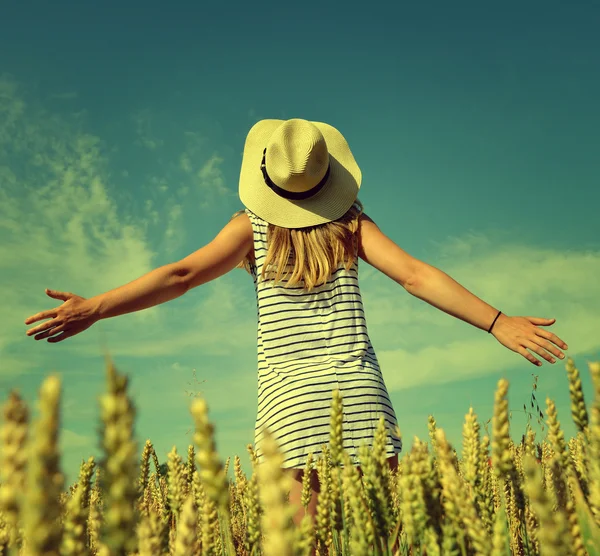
494 498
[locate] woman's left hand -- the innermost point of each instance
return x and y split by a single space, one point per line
75 315
521 333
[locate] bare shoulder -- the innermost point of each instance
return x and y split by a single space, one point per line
240 224
230 246
378 250
368 232
365 221
241 228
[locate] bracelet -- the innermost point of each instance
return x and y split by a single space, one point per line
490 330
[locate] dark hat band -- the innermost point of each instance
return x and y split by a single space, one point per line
292 195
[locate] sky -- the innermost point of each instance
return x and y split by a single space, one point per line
122 126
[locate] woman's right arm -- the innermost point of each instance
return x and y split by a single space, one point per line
383 254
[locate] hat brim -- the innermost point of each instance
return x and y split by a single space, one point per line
330 203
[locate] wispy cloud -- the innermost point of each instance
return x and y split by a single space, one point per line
210 176
61 225
174 233
203 175
145 135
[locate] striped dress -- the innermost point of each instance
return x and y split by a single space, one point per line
310 344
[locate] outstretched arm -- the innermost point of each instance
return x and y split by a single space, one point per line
213 260
158 286
434 286
382 253
421 279
516 333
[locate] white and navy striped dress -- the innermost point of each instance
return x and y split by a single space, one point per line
310 343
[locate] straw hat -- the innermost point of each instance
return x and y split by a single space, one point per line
297 173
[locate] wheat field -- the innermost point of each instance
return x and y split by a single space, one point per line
495 498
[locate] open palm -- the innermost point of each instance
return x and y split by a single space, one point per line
72 317
520 334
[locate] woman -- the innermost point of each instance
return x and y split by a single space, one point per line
300 237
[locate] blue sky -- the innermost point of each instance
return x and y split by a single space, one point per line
121 132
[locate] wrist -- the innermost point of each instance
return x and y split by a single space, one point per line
94 307
499 323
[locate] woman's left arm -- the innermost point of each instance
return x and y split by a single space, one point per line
168 282
158 286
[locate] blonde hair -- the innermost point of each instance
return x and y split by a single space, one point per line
315 252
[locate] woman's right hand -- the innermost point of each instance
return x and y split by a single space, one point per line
521 333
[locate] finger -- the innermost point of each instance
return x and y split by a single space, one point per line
539 350
51 313
50 332
59 338
540 321
528 356
548 345
58 295
552 337
41 327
